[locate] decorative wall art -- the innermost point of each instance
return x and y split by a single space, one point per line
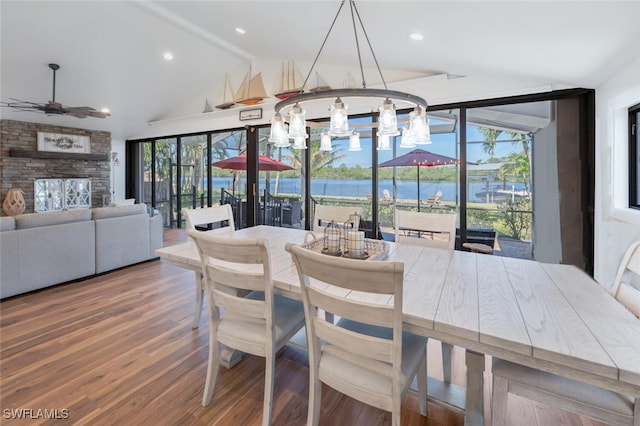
59 142
250 114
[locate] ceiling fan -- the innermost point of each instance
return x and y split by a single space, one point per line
55 108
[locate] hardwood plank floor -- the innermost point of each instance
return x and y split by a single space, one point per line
119 349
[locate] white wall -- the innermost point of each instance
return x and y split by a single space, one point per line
117 172
436 90
616 226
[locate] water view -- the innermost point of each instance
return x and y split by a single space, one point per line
361 188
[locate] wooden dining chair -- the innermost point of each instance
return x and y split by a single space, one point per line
365 354
430 229
323 215
217 216
206 218
626 286
237 276
433 230
571 395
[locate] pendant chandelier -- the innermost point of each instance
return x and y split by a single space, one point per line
289 120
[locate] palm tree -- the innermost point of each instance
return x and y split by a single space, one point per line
319 159
490 136
517 165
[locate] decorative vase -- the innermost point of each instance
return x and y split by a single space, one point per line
14 203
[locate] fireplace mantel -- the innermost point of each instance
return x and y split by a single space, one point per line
27 153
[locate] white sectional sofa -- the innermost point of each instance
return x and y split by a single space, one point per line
38 250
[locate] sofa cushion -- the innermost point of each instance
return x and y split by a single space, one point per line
55 254
121 241
7 223
108 212
34 220
127 202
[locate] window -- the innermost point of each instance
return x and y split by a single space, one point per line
506 163
634 157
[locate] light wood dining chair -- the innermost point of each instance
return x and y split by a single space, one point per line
260 322
626 286
431 229
215 216
441 229
323 215
365 354
571 395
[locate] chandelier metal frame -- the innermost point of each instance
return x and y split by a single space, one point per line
338 126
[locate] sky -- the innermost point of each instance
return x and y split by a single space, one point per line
443 144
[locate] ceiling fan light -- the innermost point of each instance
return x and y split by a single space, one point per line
354 141
339 121
388 121
325 142
297 123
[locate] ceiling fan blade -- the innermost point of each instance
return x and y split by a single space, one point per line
85 111
99 114
52 107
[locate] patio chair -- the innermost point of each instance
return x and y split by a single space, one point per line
202 219
292 213
259 323
567 394
442 231
434 199
365 355
386 196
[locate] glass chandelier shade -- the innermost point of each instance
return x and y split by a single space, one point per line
325 142
299 143
384 143
388 121
419 127
408 139
278 135
339 122
297 123
354 141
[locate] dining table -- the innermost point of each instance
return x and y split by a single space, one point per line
552 317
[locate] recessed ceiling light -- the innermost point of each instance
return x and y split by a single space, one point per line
240 30
416 36
168 56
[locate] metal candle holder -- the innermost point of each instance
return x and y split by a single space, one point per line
332 239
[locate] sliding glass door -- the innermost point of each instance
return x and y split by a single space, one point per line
518 174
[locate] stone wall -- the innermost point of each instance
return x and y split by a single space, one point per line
21 172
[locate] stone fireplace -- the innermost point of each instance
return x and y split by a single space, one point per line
21 163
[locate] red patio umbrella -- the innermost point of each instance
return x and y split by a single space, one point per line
239 162
420 158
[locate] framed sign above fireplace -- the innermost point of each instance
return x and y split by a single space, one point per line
60 142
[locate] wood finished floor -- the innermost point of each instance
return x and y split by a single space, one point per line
119 349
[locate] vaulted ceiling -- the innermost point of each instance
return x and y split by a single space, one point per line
111 52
